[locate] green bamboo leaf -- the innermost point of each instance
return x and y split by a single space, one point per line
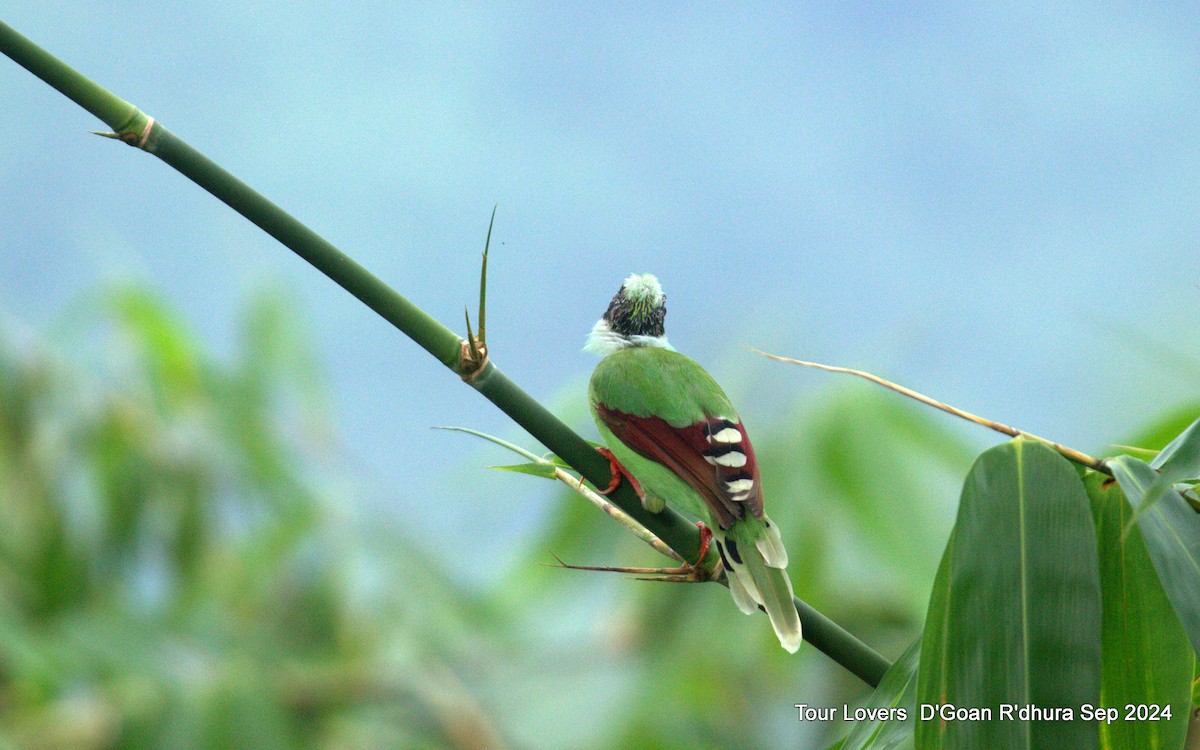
1147 658
492 439
1181 457
544 467
1178 462
1014 619
1171 530
895 697
932 673
556 461
1190 496
547 471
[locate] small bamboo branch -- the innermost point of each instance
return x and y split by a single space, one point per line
618 515
576 484
1068 453
487 244
470 336
631 570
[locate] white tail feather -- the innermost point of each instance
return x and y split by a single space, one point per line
744 600
770 546
741 584
747 589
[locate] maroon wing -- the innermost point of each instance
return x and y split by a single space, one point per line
714 456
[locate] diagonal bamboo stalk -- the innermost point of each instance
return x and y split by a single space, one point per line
138 129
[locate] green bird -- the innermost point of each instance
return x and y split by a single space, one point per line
673 433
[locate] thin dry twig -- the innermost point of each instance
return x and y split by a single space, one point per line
1069 453
620 516
685 573
577 484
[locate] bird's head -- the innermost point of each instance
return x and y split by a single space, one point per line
634 317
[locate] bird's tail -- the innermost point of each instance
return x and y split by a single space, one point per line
756 563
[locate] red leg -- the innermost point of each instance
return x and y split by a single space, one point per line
618 471
705 540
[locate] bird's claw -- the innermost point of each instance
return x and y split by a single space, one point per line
617 472
705 541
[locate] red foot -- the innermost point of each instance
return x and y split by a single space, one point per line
618 471
705 539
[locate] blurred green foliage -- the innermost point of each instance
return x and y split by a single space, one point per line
173 568
186 562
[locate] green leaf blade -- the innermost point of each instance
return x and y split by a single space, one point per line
1015 616
1178 462
546 471
1171 530
1147 657
897 690
1180 459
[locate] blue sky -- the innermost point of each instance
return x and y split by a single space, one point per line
997 206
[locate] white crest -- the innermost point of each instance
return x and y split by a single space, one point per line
644 288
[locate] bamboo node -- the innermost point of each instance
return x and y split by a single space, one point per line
472 359
145 136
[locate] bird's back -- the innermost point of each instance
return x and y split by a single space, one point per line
645 381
